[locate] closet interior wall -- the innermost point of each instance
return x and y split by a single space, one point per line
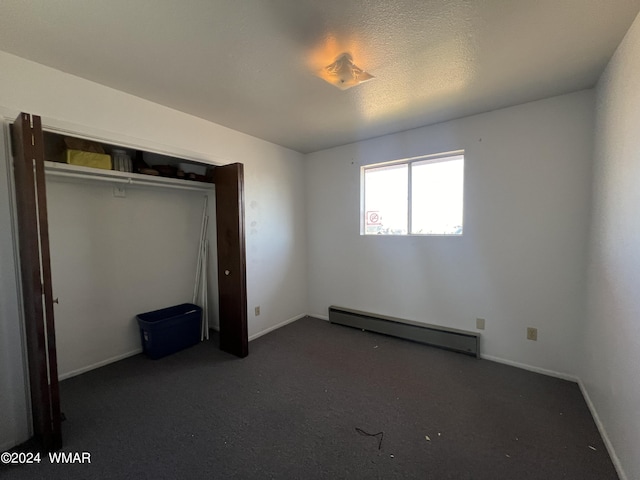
113 258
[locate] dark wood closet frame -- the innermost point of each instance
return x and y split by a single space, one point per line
27 147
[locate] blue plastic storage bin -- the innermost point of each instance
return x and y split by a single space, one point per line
168 330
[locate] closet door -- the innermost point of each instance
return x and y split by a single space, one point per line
35 267
232 283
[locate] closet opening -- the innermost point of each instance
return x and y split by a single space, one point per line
108 233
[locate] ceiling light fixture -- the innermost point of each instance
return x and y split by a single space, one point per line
343 73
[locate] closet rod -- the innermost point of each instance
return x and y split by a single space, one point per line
126 181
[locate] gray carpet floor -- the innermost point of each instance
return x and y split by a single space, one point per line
297 407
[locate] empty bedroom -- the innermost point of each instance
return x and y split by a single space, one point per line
299 239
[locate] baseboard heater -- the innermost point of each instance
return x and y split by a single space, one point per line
434 335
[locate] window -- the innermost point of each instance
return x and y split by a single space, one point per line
416 196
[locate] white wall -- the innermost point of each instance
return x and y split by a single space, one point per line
274 194
611 363
521 260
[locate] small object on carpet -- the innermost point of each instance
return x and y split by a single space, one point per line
363 433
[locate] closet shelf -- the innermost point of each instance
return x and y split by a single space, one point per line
62 170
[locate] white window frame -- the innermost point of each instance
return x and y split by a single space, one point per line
432 158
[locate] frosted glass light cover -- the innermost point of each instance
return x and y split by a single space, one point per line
343 73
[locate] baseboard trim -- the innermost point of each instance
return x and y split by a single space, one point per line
102 363
6 446
585 394
275 327
117 358
531 368
603 432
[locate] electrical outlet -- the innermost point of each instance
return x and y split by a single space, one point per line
480 323
532 334
119 191
257 311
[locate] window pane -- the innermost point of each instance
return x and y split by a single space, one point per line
386 200
437 196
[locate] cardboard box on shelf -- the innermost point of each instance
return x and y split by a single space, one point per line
85 153
87 159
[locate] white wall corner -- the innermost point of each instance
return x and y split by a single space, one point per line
603 432
275 327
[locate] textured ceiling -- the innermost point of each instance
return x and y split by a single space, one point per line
249 64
